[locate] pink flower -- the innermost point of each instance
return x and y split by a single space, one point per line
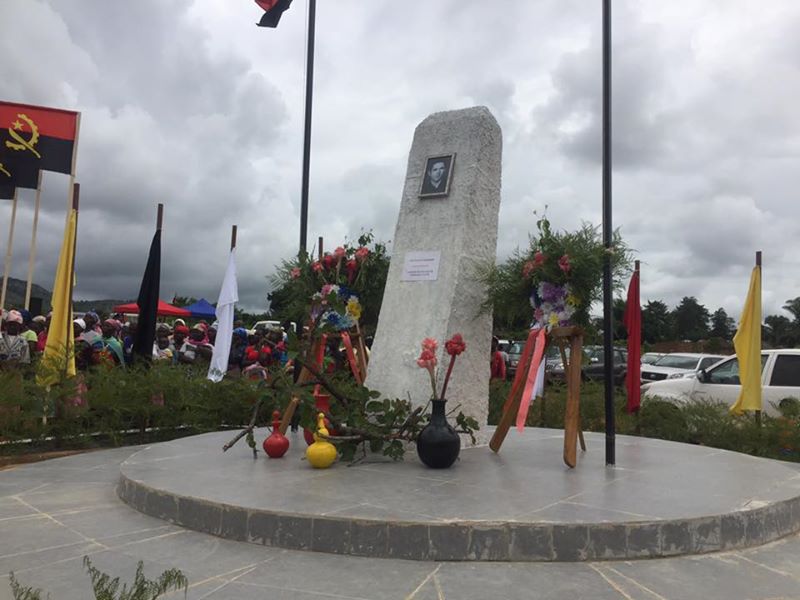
295 273
427 360
316 266
538 260
352 268
455 345
326 289
340 253
527 269
563 262
430 344
362 253
329 260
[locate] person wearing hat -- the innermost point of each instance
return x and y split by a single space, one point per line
196 349
111 344
14 349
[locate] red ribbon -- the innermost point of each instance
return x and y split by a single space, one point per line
351 356
540 338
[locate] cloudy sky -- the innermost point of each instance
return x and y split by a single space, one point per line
188 103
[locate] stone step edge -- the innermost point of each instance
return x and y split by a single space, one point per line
469 540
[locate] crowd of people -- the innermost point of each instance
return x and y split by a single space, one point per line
110 342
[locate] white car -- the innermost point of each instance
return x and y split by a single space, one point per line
780 382
677 365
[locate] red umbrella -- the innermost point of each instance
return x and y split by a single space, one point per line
164 309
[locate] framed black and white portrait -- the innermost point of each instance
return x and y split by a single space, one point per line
437 176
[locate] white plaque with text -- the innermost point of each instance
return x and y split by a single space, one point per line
421 266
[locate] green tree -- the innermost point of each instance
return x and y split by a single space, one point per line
656 322
779 332
691 320
793 306
722 326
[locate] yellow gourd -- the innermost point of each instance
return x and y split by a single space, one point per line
321 453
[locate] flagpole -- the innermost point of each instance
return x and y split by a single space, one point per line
233 237
760 282
608 321
9 250
312 11
32 256
75 195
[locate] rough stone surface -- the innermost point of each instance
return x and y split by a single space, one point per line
463 228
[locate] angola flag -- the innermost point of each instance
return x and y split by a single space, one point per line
273 9
33 138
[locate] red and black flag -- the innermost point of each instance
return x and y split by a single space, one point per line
34 138
273 9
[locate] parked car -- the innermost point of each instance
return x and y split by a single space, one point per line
514 352
649 358
780 381
593 365
676 365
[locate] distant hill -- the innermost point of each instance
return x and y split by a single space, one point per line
15 298
15 294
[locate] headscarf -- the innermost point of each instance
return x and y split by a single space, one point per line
14 316
80 323
181 329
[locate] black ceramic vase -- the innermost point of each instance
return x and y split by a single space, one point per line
438 443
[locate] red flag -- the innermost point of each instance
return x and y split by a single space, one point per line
633 323
273 9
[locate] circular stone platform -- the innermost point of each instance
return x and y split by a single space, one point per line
523 504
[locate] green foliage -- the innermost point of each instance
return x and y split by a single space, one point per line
704 423
142 588
21 592
511 283
106 588
691 320
119 404
297 280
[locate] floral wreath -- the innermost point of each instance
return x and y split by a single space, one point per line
327 305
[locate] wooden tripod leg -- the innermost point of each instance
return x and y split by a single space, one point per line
572 412
580 439
288 414
505 424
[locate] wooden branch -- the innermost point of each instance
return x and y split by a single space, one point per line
247 429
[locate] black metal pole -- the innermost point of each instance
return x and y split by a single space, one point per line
312 10
608 300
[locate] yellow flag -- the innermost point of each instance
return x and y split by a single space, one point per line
747 342
59 356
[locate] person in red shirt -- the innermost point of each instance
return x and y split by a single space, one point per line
498 363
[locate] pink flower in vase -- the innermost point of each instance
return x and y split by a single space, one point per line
563 263
430 344
427 360
455 345
316 266
339 253
362 253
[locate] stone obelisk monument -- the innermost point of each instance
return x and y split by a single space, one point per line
443 234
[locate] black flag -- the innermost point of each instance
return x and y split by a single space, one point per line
148 302
273 9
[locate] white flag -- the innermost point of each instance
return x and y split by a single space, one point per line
228 297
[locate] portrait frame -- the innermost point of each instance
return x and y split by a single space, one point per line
426 187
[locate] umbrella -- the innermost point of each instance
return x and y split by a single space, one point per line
202 309
164 309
